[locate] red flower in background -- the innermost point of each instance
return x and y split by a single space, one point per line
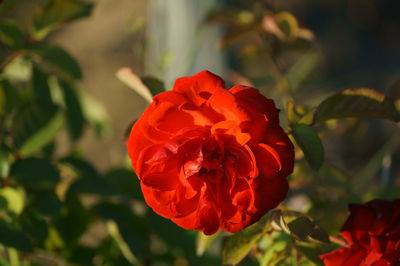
209 158
373 235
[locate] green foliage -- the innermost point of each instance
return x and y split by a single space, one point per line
56 59
125 183
14 199
301 227
35 173
11 35
12 235
56 12
74 113
239 245
35 226
35 125
310 143
363 103
40 85
277 235
9 97
155 86
88 180
72 221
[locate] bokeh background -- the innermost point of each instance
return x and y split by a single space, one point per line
293 51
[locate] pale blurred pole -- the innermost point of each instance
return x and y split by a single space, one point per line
179 42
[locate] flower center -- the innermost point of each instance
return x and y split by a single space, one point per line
213 154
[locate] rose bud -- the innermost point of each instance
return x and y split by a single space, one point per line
211 158
372 232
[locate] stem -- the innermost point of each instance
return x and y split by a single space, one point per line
337 240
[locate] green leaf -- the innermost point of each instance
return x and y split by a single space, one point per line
35 126
310 143
54 241
56 12
177 238
82 254
35 226
12 236
56 59
74 113
320 235
361 103
88 181
9 97
155 86
237 246
35 173
72 221
4 262
15 198
301 227
125 182
40 86
18 70
46 203
11 35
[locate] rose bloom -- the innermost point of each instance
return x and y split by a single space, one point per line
372 232
209 158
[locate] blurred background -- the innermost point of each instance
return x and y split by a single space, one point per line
296 52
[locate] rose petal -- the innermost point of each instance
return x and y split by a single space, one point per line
269 192
347 256
224 103
159 201
199 88
231 128
268 160
189 221
165 118
360 219
372 257
255 102
280 142
208 220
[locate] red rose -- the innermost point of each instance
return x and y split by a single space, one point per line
209 158
373 235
